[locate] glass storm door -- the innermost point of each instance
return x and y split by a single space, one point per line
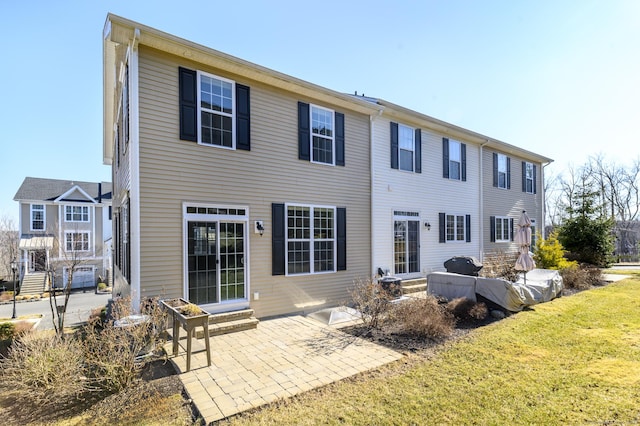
215 255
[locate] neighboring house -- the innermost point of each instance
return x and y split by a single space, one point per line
236 186
434 196
63 224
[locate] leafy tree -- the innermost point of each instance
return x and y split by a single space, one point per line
587 233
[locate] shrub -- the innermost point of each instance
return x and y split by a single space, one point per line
6 330
422 318
5 296
549 254
372 301
581 277
466 309
113 351
102 286
43 368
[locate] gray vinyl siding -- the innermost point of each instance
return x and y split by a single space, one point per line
509 202
174 171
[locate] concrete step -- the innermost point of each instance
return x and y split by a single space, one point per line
230 316
33 284
217 329
414 285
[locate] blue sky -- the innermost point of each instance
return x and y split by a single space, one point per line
560 77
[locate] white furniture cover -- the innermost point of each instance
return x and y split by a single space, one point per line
542 285
451 286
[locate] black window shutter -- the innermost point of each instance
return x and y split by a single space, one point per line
277 239
342 239
243 122
418 151
534 179
445 158
495 169
467 228
187 80
508 173
463 157
339 117
511 229
304 132
394 145
492 228
442 227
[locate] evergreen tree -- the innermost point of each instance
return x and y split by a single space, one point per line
587 233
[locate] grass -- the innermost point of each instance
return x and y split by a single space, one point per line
575 360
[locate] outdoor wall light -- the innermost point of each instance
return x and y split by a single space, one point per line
259 227
428 226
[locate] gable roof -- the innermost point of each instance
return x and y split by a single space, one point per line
42 189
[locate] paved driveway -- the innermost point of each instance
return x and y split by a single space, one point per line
279 359
78 309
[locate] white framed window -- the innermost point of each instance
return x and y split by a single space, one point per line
75 241
37 217
216 119
76 213
406 147
529 178
503 230
503 171
455 227
455 160
322 135
311 239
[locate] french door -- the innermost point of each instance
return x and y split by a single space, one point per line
216 270
406 246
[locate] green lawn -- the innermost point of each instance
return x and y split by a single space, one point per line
575 360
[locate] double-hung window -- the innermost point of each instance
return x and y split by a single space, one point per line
37 217
76 213
76 241
322 135
528 177
406 147
217 104
454 159
311 239
501 171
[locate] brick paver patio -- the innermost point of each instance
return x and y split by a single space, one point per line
279 359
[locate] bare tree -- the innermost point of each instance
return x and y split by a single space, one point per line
71 249
8 245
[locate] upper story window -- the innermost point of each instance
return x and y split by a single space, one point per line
76 241
454 159
528 177
501 171
322 135
311 239
406 148
216 100
37 217
76 213
214 110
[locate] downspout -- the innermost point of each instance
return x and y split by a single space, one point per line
544 202
372 118
481 201
134 169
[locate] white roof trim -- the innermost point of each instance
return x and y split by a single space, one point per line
70 191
